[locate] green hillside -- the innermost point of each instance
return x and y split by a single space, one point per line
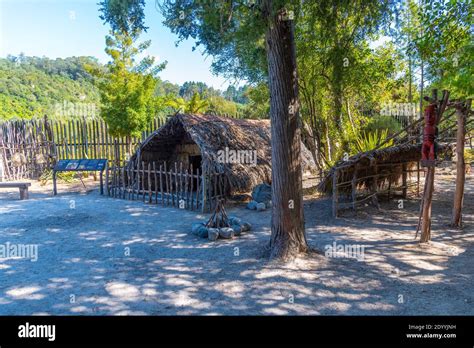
32 86
63 88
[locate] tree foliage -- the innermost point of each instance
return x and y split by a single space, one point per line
32 86
124 16
195 105
127 87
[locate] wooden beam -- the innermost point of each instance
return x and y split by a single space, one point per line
461 115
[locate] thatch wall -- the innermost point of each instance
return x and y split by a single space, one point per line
212 134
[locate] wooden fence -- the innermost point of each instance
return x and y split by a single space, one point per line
28 147
354 196
154 183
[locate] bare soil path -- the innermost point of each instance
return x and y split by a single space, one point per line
105 256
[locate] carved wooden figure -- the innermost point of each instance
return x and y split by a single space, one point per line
428 149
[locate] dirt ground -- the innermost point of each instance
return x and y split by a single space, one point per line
104 256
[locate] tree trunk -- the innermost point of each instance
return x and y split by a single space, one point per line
328 144
460 170
427 201
336 82
349 115
421 91
288 234
410 94
311 143
337 98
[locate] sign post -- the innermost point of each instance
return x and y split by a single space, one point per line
79 165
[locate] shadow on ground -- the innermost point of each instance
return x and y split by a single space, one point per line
105 256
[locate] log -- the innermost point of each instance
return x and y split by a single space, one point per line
460 166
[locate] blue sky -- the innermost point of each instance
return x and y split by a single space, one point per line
64 28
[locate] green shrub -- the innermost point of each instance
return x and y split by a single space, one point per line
66 177
468 156
379 123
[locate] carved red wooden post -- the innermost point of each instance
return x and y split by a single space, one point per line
433 114
428 149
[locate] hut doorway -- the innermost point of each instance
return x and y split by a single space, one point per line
195 161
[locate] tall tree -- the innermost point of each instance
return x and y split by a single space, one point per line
288 231
446 44
340 73
127 86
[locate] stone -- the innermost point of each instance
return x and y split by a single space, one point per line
203 232
237 229
244 198
246 227
262 193
226 232
235 220
213 233
195 228
261 206
252 205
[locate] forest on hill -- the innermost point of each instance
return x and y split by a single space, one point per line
32 86
64 88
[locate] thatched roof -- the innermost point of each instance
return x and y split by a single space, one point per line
213 134
364 164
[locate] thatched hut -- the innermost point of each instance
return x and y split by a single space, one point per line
368 174
382 165
239 148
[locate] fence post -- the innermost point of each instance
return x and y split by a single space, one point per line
161 187
107 178
204 188
334 193
404 180
149 183
191 188
155 182
354 188
2 170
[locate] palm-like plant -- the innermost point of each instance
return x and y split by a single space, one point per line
367 141
195 105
